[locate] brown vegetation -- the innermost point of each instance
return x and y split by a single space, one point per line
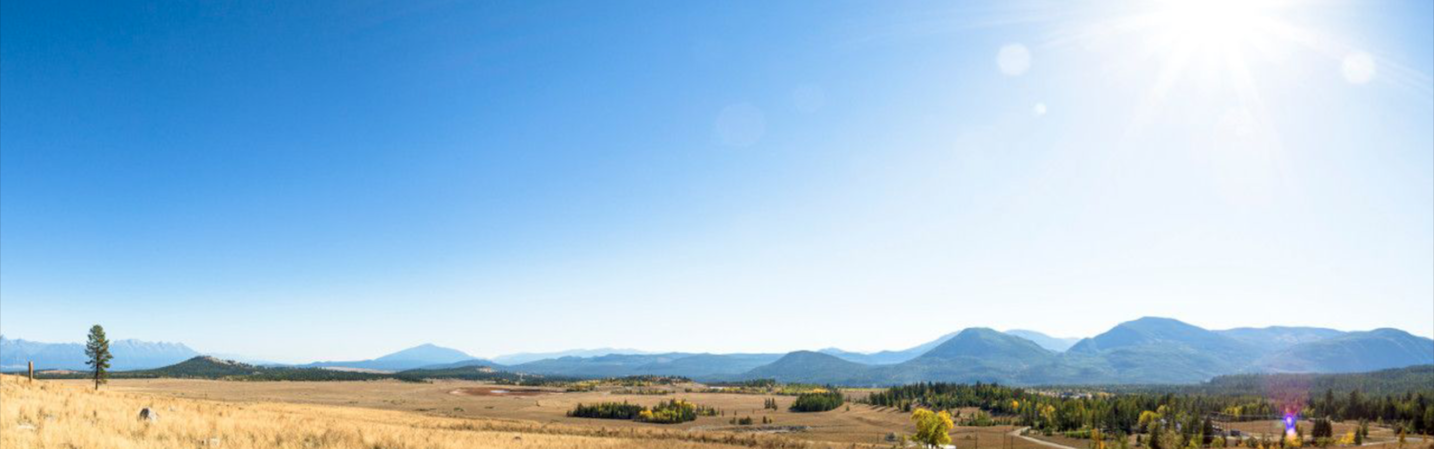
52 415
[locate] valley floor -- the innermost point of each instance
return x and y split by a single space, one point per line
857 424
55 415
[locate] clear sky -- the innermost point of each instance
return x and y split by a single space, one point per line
337 180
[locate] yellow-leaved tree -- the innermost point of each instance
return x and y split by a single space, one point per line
932 429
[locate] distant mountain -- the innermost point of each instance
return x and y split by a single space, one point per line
696 366
525 357
1143 351
1352 352
415 357
1161 350
611 365
975 354
887 357
470 363
1054 344
707 366
1152 331
128 354
1275 338
811 367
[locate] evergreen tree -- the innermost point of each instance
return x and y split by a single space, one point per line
97 348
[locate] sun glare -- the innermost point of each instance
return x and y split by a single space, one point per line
1218 32
1210 24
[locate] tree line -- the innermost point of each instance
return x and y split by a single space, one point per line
1128 413
819 400
671 411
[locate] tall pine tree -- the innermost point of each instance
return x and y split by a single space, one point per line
97 348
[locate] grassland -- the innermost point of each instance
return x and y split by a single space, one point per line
243 413
60 415
441 414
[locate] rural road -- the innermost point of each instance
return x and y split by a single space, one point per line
1017 433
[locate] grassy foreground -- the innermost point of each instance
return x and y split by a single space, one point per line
47 415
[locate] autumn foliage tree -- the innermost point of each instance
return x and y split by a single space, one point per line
932 428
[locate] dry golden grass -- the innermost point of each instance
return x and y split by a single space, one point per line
50 415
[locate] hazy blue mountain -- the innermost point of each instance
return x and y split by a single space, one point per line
887 357
696 366
1351 352
812 367
1161 350
975 354
1275 338
1152 331
415 357
525 357
611 365
473 363
1143 351
128 354
707 366
1055 344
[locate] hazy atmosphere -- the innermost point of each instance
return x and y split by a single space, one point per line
339 180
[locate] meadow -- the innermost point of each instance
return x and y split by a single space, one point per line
454 414
46 414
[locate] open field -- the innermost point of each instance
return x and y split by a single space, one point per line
55 415
445 414
531 406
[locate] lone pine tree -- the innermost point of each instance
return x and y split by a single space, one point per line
97 348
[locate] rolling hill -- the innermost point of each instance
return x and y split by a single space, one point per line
811 367
207 367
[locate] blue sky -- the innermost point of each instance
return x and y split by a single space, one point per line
338 180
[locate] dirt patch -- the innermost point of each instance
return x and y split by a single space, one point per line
498 391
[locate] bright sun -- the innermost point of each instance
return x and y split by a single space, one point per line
1219 32
1211 24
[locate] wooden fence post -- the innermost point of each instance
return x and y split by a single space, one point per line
32 371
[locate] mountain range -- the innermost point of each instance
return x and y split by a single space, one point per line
1142 351
1147 350
128 354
